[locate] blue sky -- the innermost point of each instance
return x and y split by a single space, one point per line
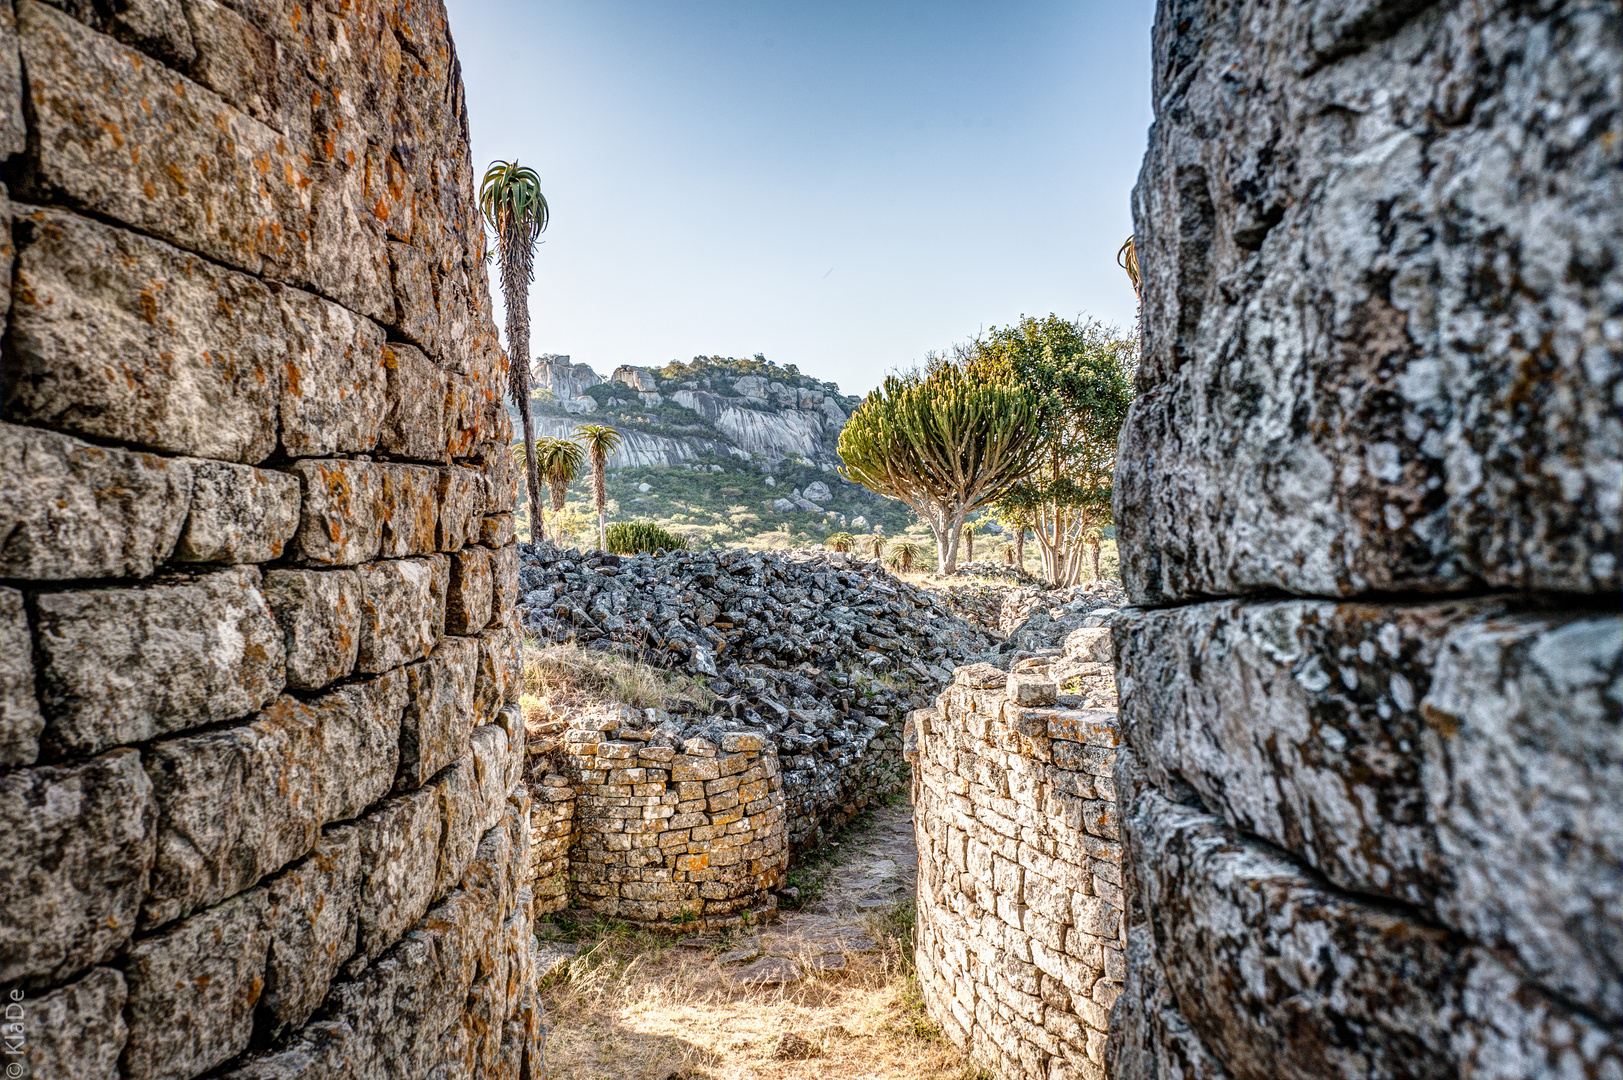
841 186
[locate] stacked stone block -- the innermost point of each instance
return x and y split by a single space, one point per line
260 801
687 831
1020 906
1369 494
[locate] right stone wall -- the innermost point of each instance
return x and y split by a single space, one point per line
1371 779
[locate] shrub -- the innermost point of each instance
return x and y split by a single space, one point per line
903 556
629 537
840 541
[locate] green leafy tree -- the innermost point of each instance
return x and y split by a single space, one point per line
512 204
945 442
600 441
1080 375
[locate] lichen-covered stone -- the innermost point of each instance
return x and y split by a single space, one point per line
238 514
496 531
320 1051
439 712
20 720
1283 977
503 584
402 610
332 399
319 612
399 859
467 604
1382 250
414 426
234 805
193 988
125 665
360 743
118 336
310 913
72 510
76 1032
1456 756
410 510
462 506
189 168
340 515
76 846
1148 1038
13 132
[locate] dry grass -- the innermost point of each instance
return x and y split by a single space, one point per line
563 678
634 1006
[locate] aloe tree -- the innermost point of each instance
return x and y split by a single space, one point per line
876 546
561 462
510 199
600 441
944 442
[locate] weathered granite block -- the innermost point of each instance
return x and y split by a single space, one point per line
20 719
1382 247
414 426
340 517
462 816
234 805
1457 756
118 336
332 398
193 988
467 604
410 509
319 612
399 867
503 584
13 132
238 60
1148 1038
496 531
402 610
311 918
322 1050
462 506
72 510
76 846
502 477
360 743
1333 986
439 712
238 514
76 1032
125 665
415 311
243 197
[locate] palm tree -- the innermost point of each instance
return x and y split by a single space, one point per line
600 441
510 199
561 461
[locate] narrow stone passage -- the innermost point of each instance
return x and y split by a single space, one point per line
824 991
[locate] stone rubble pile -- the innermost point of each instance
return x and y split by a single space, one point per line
819 652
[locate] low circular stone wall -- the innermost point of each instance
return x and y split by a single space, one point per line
670 830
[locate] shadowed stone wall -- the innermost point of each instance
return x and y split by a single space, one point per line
1371 780
260 801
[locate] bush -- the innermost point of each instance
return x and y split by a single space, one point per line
630 537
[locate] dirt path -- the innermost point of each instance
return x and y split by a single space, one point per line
824 991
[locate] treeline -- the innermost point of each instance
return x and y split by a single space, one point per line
1021 420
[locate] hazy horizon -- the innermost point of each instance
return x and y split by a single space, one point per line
841 188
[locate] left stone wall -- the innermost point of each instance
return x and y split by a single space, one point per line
261 806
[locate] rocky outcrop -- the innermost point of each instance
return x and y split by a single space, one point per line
1369 836
719 412
261 807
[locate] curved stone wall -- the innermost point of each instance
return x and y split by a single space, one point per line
260 801
671 830
1371 487
1020 908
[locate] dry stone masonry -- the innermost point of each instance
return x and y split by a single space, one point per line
1371 780
1021 921
672 829
261 806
